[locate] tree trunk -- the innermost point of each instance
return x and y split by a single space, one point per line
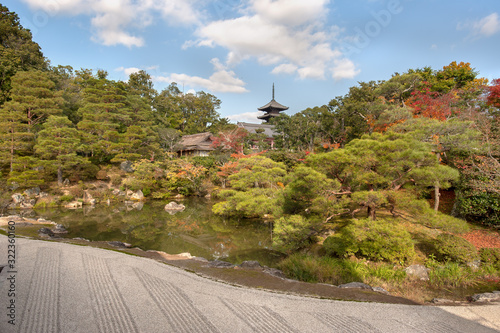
371 213
436 196
59 176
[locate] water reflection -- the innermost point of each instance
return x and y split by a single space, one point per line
195 230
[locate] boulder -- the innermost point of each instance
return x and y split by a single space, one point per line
43 195
251 264
27 204
275 272
119 244
74 205
474 264
13 186
66 182
174 206
87 197
32 192
487 297
60 229
45 232
220 264
119 192
138 196
381 290
17 198
359 285
419 271
126 166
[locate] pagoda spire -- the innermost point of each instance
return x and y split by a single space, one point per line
271 109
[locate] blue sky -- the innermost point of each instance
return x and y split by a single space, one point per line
312 50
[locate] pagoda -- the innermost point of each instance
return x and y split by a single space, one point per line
271 109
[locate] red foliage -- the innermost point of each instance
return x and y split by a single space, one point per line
431 104
230 139
494 94
482 238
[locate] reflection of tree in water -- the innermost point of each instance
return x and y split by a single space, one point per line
196 229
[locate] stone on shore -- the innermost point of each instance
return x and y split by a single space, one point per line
137 196
419 271
359 285
486 297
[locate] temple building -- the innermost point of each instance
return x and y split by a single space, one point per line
271 109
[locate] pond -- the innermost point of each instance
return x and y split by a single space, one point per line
148 226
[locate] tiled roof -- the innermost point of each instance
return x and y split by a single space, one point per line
199 141
273 105
268 129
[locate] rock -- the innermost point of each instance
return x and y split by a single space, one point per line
74 205
119 192
275 272
138 196
31 192
381 290
442 301
419 271
80 238
87 197
43 195
66 182
45 232
119 244
360 285
60 229
13 186
27 204
251 264
17 198
220 264
126 166
179 196
486 297
174 206
474 264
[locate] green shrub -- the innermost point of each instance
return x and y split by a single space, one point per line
292 232
490 257
66 197
116 180
336 271
453 248
377 240
309 268
453 275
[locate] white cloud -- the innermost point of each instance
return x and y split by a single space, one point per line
286 34
344 69
222 80
488 26
112 20
485 27
290 12
250 117
285 68
128 71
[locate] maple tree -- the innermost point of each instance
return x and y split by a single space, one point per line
232 139
493 97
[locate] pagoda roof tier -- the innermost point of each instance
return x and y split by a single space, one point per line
273 105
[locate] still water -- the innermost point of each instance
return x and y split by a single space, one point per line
195 230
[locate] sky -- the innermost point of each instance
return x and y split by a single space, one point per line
311 50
